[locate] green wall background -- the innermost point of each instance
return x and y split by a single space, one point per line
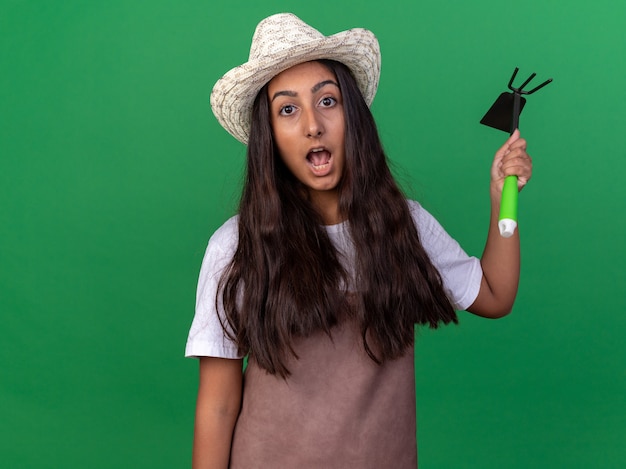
114 173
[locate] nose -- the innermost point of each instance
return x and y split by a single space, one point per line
313 125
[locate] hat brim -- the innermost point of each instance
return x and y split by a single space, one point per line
233 95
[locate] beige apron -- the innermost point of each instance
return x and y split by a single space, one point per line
338 409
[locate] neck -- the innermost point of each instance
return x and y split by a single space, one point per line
326 203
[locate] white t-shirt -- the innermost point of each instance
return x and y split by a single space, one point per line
461 275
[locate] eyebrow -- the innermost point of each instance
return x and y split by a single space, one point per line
315 89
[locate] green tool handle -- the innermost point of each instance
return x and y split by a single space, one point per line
507 222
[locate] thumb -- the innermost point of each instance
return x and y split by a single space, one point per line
504 149
514 136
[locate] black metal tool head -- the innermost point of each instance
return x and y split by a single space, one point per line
504 113
500 114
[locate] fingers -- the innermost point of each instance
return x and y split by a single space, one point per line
520 166
517 163
512 160
504 149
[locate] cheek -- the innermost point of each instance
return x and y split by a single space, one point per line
284 146
283 135
286 150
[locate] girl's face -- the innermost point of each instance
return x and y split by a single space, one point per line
307 119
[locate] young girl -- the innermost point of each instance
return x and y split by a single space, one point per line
321 277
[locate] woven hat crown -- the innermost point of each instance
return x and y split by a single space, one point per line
274 34
280 42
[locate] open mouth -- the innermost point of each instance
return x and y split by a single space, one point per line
319 159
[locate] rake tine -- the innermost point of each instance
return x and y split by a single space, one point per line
526 82
540 86
513 78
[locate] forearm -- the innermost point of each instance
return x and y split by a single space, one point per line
501 266
217 410
213 431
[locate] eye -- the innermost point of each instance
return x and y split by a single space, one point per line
328 101
287 110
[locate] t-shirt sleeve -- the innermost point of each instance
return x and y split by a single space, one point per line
461 273
206 335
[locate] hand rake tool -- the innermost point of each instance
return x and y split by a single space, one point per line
504 115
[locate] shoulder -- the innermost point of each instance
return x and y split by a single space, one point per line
418 212
432 235
221 248
426 224
227 233
226 237
414 207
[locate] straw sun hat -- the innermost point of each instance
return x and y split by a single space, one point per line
280 42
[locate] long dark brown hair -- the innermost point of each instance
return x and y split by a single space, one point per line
285 278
